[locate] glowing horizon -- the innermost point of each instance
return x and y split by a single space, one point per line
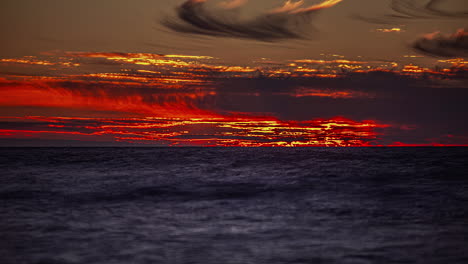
174 100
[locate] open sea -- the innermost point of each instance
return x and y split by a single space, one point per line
233 205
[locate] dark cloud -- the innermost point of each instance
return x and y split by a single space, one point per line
287 22
395 99
436 44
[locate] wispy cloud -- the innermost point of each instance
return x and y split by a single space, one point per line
426 9
286 22
420 9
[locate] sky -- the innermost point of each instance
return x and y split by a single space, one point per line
233 73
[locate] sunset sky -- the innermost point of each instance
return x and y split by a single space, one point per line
233 73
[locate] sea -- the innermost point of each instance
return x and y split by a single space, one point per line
234 205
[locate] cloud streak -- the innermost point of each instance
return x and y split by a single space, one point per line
289 21
233 4
421 9
432 8
231 131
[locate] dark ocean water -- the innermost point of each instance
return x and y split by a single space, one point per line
237 205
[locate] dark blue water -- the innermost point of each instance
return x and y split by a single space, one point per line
238 205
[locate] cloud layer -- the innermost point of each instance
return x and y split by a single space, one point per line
156 99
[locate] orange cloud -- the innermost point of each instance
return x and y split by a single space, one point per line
189 100
390 30
79 95
231 4
228 130
305 92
